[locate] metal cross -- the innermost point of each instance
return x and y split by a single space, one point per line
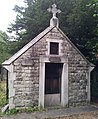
54 10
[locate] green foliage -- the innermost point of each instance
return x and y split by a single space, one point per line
3 100
79 20
12 112
83 28
34 18
23 110
4 47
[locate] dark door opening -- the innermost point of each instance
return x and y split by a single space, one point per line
94 85
53 74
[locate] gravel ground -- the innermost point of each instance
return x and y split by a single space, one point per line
85 112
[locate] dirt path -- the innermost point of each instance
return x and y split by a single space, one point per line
32 116
20 116
85 112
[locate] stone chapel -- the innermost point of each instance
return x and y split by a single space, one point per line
48 71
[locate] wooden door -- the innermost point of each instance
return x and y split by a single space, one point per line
53 73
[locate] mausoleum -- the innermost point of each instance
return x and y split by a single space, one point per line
49 71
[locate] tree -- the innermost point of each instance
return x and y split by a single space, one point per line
4 54
78 20
83 28
34 18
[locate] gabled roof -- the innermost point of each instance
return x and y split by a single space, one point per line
36 39
26 47
75 48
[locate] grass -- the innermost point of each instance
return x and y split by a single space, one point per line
23 110
2 95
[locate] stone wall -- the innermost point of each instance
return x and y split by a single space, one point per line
27 76
27 72
77 76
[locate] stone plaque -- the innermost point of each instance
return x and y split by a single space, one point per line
55 59
27 63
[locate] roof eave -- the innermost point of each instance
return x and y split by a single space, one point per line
26 47
90 64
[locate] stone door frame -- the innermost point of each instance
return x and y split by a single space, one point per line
64 79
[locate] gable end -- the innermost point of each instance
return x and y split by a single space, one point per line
26 47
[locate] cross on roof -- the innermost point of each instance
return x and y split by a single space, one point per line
54 10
